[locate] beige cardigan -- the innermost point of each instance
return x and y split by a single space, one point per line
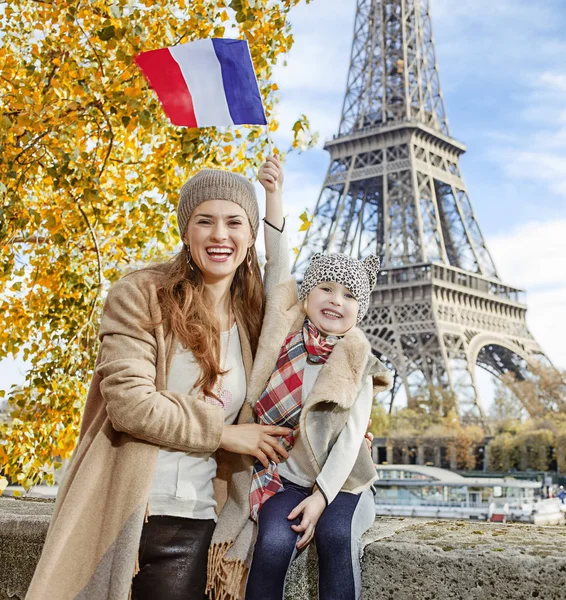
332 396
91 548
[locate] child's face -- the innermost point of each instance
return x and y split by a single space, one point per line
332 308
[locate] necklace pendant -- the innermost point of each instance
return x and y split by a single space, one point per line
214 401
226 398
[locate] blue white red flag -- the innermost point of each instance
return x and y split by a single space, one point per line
205 83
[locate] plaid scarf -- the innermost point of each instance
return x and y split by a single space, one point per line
281 402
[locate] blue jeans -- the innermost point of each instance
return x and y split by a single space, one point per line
338 543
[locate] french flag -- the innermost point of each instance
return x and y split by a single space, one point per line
208 82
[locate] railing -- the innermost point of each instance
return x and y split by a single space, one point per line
391 125
427 272
432 503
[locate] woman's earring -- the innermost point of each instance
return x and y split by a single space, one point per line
249 260
305 302
189 259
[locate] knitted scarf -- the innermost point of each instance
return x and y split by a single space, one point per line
281 404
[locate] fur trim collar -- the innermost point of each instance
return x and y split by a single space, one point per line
282 311
340 377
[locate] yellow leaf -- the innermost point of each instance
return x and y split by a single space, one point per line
306 221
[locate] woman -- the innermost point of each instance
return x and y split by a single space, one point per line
177 342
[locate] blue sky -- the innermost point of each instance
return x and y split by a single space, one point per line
503 74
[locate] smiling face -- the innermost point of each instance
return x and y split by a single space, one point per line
332 309
218 235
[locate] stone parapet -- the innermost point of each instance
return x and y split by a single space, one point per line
404 559
23 527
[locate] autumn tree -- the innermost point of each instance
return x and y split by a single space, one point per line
506 408
502 452
543 391
379 420
465 440
435 401
90 170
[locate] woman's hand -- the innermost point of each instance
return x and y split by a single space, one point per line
260 441
311 507
270 175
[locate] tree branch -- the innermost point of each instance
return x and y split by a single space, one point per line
50 77
36 240
98 258
91 47
98 105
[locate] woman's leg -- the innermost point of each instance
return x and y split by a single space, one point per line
275 547
338 537
173 558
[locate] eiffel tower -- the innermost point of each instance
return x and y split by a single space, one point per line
394 188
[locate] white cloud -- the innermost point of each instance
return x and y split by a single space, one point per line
312 65
313 81
531 257
538 153
554 82
324 118
540 165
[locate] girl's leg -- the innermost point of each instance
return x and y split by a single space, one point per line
173 559
338 537
275 547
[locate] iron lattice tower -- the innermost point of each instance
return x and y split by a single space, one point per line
394 188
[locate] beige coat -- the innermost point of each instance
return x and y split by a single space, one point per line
324 414
91 548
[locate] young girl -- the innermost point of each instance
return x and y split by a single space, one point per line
315 373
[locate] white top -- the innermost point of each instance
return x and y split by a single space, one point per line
182 483
342 457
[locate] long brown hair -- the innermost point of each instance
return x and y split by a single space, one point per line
186 308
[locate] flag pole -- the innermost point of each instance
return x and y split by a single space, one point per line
269 141
270 147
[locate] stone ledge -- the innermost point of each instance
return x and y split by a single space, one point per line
23 527
404 559
437 560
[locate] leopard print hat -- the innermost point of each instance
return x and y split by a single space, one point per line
359 276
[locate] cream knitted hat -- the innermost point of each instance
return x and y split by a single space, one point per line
359 276
213 184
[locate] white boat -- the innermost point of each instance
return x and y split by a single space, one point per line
422 491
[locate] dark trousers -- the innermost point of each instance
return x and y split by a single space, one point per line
335 537
173 559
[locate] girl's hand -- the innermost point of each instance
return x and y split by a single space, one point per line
311 507
369 437
270 174
260 441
